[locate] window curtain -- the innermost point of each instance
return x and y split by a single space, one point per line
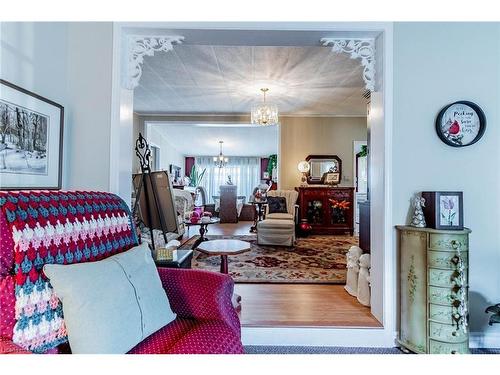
244 172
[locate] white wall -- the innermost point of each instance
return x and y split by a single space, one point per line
69 63
33 56
169 154
89 61
436 64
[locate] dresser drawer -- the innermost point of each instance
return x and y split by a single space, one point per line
444 278
443 296
447 332
448 242
438 347
445 259
441 313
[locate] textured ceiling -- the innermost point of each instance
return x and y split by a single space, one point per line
200 140
201 79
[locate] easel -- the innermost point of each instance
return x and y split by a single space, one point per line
155 214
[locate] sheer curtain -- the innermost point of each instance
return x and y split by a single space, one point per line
244 172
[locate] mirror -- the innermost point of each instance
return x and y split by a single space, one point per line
324 169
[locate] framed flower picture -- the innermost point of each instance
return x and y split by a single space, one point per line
443 209
31 137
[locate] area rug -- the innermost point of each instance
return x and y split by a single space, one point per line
315 259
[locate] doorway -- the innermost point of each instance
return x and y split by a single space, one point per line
383 297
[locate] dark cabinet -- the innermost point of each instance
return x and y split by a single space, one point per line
329 210
364 226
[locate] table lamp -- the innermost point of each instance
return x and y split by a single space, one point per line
304 167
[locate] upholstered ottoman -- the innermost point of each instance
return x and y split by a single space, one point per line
276 232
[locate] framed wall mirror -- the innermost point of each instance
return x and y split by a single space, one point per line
324 169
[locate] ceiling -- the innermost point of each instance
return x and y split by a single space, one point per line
216 79
203 139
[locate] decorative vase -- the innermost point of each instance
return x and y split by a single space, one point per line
305 228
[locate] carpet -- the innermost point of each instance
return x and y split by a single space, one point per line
249 349
315 259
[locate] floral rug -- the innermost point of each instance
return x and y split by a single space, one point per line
315 259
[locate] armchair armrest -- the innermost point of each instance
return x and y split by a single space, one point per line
202 295
296 214
8 347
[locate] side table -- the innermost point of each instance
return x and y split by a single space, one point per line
181 259
260 214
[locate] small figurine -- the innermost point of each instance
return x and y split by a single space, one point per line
353 255
418 219
364 280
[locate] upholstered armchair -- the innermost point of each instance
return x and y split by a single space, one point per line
278 229
292 208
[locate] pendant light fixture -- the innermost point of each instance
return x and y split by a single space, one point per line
220 160
264 113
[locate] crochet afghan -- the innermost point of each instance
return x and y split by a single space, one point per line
63 228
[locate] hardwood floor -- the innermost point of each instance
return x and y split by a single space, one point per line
301 305
297 305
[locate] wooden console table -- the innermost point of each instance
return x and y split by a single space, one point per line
328 209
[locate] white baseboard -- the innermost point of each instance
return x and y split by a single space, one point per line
484 340
347 337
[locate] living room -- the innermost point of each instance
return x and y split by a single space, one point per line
196 108
84 68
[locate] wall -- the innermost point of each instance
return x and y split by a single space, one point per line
302 136
168 153
33 56
69 63
89 60
436 64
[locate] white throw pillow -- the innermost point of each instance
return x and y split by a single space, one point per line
113 304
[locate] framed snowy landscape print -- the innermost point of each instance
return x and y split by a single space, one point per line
31 133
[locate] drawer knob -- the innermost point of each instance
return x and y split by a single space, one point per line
453 352
454 333
455 260
456 303
454 244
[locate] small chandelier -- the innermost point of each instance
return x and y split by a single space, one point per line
220 161
264 113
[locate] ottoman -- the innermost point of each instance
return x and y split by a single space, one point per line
276 232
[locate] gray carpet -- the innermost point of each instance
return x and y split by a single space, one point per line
337 350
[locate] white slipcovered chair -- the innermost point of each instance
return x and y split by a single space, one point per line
279 228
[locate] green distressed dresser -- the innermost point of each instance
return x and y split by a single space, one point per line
433 290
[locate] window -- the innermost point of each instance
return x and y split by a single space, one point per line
244 172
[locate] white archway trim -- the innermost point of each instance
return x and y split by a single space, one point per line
145 45
363 49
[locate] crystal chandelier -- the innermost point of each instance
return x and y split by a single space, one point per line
264 113
220 161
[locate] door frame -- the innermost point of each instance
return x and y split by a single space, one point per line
382 237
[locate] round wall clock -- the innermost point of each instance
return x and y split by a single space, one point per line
461 124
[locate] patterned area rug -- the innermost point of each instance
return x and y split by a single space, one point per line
315 259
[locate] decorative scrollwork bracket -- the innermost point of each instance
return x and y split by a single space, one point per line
363 49
140 46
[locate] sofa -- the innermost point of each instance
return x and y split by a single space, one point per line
278 229
38 228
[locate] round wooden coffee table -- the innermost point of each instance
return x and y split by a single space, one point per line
225 248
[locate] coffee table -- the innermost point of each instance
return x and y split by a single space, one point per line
203 229
225 248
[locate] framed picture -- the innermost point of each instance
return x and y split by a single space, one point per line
332 178
443 209
31 137
461 124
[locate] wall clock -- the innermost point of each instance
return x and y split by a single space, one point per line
461 124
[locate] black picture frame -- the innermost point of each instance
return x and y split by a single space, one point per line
433 213
482 123
59 163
